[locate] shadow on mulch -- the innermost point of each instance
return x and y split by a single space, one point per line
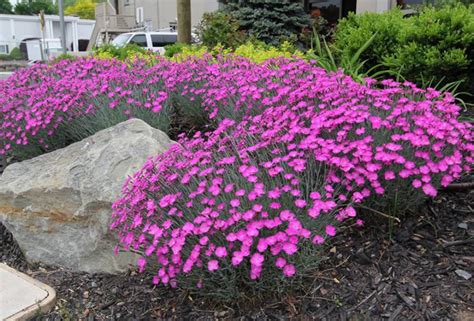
421 271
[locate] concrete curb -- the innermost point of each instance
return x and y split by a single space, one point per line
42 306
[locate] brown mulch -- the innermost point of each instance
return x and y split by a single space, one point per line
421 269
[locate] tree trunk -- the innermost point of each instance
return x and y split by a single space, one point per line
184 21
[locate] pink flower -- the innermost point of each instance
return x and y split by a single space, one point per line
255 272
262 245
351 212
240 192
446 180
141 264
330 230
314 212
203 240
318 239
221 251
416 183
274 194
247 171
300 203
257 259
286 215
229 188
289 270
290 248
212 265
275 205
389 175
315 195
280 262
430 190
237 258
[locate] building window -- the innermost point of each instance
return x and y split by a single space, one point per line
331 10
409 3
126 3
139 15
4 49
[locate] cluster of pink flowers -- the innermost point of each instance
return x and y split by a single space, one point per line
38 100
293 152
257 192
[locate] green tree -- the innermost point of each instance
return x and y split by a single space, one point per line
5 7
84 9
271 21
219 28
34 7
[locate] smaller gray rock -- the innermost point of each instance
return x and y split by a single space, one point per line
463 226
463 274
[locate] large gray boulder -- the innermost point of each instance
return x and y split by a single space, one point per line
58 205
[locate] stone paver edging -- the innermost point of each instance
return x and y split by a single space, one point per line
22 297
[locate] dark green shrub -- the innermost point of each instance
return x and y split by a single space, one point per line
355 30
436 46
271 21
219 28
15 54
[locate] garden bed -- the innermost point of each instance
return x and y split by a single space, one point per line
297 188
289 153
413 272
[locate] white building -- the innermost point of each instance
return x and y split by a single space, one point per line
14 29
118 16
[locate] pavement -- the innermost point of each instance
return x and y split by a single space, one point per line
22 297
4 75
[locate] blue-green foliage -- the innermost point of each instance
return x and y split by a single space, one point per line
271 21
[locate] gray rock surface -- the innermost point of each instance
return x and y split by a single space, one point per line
58 205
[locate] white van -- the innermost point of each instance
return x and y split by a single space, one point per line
155 41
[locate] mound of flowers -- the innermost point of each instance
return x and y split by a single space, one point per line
289 152
46 107
263 194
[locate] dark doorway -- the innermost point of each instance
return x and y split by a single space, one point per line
331 10
348 6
